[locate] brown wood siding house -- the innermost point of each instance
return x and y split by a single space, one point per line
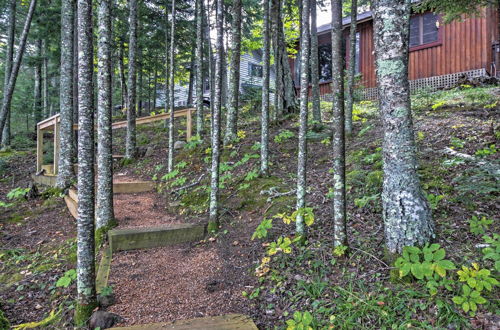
436 49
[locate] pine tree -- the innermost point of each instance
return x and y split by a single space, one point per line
131 147
199 68
352 68
264 142
338 142
9 56
304 96
214 182
316 109
66 174
37 106
234 75
407 216
171 135
86 299
105 212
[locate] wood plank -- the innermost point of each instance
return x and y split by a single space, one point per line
101 280
57 146
73 194
151 237
224 322
72 206
39 149
189 125
49 122
150 119
133 187
48 180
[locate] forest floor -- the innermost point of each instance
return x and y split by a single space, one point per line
229 272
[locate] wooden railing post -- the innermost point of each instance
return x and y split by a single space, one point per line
39 149
56 146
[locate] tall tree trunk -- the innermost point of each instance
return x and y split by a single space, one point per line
407 216
9 56
191 80
38 106
167 64
140 83
171 135
352 68
316 109
155 88
7 97
45 81
338 142
199 68
66 151
278 81
105 212
149 93
304 95
264 119
86 299
289 99
234 75
75 78
130 150
211 65
123 82
213 221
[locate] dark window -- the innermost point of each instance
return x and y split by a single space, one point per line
423 29
325 62
255 70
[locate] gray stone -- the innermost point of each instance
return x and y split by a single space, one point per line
106 300
179 145
149 152
104 320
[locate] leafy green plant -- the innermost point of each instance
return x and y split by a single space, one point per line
300 321
479 226
469 299
283 136
5 205
491 150
283 244
492 251
253 174
18 193
457 143
66 280
366 200
438 105
193 143
170 175
477 278
434 200
262 229
426 262
340 250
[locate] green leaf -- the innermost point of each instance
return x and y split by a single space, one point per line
446 264
471 282
414 258
440 270
458 300
297 316
434 247
466 290
473 306
416 270
465 306
480 300
307 318
405 270
439 254
428 256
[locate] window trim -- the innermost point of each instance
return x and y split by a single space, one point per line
250 64
436 43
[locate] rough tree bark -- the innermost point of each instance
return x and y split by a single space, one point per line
191 78
9 56
278 81
289 99
66 173
234 75
338 142
38 114
407 216
167 65
316 109
213 221
264 119
105 212
304 95
123 81
131 145
86 299
199 68
45 80
140 82
7 97
352 68
171 135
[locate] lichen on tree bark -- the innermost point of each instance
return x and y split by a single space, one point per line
264 119
131 147
407 216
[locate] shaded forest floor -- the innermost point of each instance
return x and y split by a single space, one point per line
230 272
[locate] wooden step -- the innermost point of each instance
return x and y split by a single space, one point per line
101 280
47 180
72 206
133 187
224 322
151 237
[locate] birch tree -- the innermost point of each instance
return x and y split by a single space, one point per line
38 114
338 142
278 81
9 56
66 151
316 109
105 213
131 146
351 70
304 96
234 74
406 213
213 220
171 135
264 141
199 67
86 298
9 91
